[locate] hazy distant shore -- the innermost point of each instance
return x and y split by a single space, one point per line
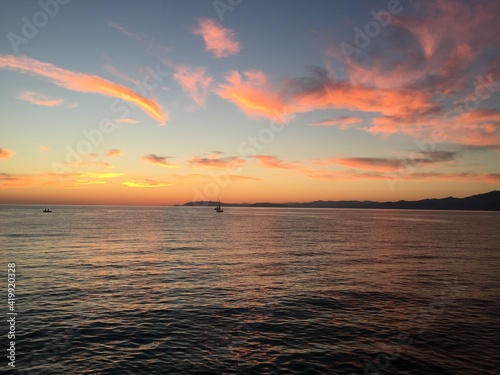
487 202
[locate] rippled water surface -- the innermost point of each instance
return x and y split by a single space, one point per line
184 290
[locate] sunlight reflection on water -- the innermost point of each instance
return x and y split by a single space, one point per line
186 290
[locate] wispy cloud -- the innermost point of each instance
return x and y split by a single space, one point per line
44 148
89 164
119 74
40 99
81 82
377 164
69 180
146 183
219 41
347 175
194 82
148 43
124 31
6 153
125 121
114 152
272 161
89 178
216 161
418 158
343 122
159 160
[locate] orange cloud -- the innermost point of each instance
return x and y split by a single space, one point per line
39 99
88 164
256 96
13 181
480 127
434 56
321 91
343 122
272 161
44 148
194 82
88 178
81 82
158 160
69 180
218 40
147 183
6 153
114 152
100 175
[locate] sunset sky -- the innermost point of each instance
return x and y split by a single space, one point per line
164 102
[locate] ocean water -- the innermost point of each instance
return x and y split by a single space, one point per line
184 290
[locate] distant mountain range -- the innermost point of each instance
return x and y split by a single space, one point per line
487 202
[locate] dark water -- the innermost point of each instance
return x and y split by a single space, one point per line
122 290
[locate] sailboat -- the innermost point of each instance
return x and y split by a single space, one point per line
217 208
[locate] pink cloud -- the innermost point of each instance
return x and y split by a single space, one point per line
81 82
6 153
194 82
125 121
480 127
256 96
39 99
272 161
218 40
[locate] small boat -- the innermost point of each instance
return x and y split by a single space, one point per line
217 208
47 210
